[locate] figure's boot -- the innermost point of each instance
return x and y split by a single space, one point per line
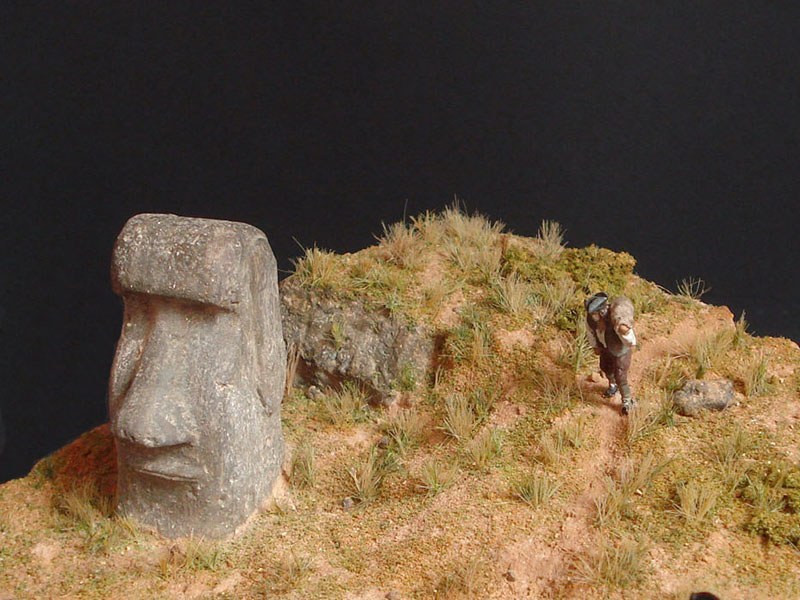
627 400
611 391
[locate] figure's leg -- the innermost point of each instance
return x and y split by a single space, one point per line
621 366
607 367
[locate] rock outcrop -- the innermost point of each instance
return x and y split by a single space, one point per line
698 395
340 340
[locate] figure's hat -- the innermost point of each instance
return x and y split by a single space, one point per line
596 302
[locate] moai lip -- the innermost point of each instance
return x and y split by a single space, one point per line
198 374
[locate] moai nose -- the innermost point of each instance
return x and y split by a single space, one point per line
155 421
157 409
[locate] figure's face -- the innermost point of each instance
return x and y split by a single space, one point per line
599 315
183 404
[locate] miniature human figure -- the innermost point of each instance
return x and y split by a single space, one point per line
610 332
198 375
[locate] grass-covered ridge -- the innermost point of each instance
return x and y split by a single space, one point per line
417 266
502 474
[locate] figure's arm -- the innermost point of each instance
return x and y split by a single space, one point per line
626 334
622 319
593 341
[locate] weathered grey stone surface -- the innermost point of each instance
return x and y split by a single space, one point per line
198 375
697 395
340 340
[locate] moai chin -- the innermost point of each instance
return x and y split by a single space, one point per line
198 375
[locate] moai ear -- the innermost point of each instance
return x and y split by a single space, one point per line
262 397
270 351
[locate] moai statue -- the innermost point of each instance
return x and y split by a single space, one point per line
198 375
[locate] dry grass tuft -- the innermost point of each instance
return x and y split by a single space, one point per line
733 474
577 353
616 564
550 241
613 504
429 227
317 269
556 298
84 506
554 393
756 377
670 372
639 477
765 496
460 419
292 362
647 297
729 455
741 337
480 262
203 555
343 406
337 334
553 444
84 510
731 448
484 448
534 489
471 242
634 479
304 462
473 230
436 476
193 555
696 500
383 285
434 293
400 245
466 580
471 340
551 448
287 574
691 289
708 350
483 400
512 295
648 417
574 432
366 478
405 429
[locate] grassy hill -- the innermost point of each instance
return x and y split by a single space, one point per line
504 473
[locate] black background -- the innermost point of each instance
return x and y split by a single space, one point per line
670 130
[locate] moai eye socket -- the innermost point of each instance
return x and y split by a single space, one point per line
132 337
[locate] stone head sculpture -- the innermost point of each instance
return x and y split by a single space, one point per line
198 375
